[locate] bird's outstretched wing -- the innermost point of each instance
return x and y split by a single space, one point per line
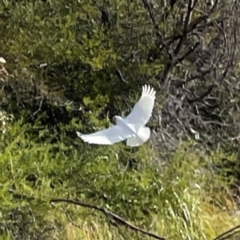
107 136
142 110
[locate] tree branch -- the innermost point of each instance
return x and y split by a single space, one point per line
203 95
226 235
186 25
107 213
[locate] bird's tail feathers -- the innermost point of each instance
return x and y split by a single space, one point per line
142 136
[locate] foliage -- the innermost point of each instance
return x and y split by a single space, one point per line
94 55
73 66
174 201
68 54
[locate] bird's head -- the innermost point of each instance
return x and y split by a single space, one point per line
117 119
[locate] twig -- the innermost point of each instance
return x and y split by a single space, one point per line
120 76
228 233
187 53
107 213
203 95
191 5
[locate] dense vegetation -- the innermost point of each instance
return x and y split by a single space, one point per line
72 65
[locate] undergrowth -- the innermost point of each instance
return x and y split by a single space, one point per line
185 199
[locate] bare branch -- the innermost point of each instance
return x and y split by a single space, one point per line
228 234
204 94
191 5
107 213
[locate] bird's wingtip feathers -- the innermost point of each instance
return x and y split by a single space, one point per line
148 90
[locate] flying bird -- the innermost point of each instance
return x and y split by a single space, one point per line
131 128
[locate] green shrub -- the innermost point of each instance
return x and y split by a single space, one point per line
174 201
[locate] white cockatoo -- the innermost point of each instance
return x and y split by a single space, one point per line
131 128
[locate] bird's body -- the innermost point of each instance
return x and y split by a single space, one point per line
125 124
131 128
